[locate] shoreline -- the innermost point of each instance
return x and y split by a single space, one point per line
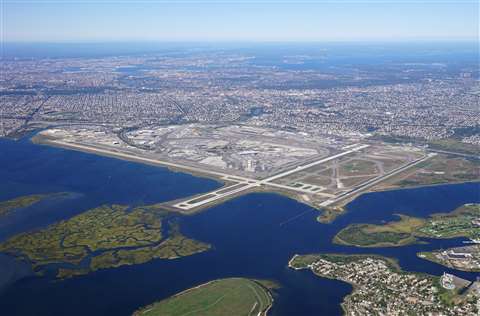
405 242
293 259
42 140
425 256
321 266
341 208
327 214
424 186
45 141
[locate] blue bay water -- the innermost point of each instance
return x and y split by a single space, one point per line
253 236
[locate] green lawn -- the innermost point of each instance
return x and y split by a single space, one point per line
225 297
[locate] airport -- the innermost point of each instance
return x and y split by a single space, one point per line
319 171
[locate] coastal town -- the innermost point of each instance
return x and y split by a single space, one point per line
381 288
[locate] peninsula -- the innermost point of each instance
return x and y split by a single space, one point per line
380 287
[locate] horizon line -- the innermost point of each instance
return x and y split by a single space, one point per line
242 41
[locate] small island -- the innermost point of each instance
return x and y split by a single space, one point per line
103 237
7 207
224 297
380 287
463 222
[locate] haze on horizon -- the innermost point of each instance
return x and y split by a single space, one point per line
237 20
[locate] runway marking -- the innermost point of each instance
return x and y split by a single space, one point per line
251 183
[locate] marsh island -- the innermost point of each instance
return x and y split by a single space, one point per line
104 237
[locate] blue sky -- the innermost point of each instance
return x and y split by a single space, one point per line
238 20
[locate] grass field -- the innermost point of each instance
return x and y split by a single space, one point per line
454 145
459 223
448 144
357 167
439 169
225 297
